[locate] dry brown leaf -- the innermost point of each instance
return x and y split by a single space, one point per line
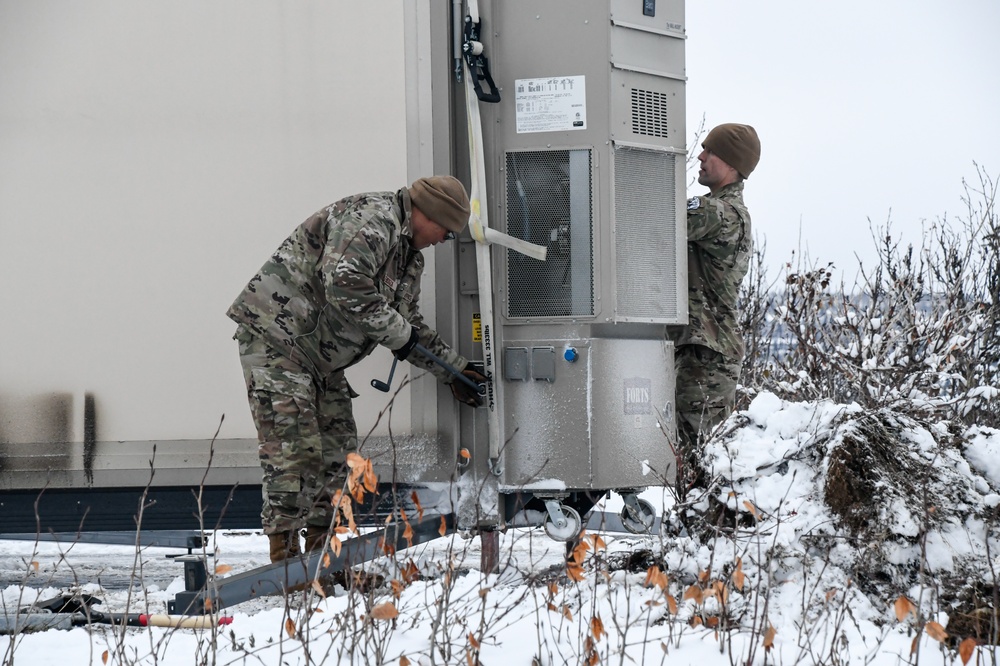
208 605
574 571
739 578
752 509
769 637
348 513
552 607
966 648
318 588
444 527
654 576
473 642
290 627
831 593
567 613
597 627
553 588
34 565
694 592
936 631
104 657
653 603
409 571
598 542
580 552
712 622
370 478
403 661
672 604
221 569
703 576
695 621
386 611
464 454
483 592
913 644
903 607
416 503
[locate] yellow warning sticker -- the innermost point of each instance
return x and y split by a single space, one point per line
477 327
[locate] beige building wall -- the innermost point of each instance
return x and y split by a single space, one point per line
152 156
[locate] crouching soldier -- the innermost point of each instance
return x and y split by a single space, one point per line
346 280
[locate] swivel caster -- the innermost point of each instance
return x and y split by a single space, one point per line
637 515
563 523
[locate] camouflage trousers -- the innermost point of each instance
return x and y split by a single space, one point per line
706 396
305 431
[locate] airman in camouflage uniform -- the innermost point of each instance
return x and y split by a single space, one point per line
709 350
346 280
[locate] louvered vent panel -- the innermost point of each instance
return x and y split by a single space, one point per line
645 235
649 113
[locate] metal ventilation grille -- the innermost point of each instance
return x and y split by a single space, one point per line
645 235
550 202
649 113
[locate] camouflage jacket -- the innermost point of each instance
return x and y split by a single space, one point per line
719 246
346 280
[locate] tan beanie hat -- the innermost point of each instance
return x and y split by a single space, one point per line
737 145
443 200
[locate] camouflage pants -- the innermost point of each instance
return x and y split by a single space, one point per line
706 396
305 431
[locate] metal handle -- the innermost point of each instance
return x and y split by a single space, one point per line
478 388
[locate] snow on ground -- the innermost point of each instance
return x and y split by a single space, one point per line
778 582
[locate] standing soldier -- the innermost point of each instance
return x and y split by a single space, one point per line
709 350
346 280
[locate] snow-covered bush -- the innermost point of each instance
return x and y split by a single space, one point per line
917 333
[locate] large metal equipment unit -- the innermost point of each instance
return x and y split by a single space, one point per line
585 155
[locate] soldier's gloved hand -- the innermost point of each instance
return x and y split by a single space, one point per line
465 393
405 350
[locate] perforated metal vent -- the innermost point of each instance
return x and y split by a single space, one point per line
649 113
645 235
550 202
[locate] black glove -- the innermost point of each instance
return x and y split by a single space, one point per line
465 393
405 350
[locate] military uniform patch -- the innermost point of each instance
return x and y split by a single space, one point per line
694 203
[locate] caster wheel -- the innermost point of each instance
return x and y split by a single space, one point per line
568 531
639 521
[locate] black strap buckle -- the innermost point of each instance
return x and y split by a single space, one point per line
479 64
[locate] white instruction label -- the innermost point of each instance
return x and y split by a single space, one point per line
551 104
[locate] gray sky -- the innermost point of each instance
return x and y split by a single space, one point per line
862 107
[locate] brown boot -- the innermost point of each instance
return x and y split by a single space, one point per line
316 538
284 545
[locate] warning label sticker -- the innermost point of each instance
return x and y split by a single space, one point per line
477 327
552 104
